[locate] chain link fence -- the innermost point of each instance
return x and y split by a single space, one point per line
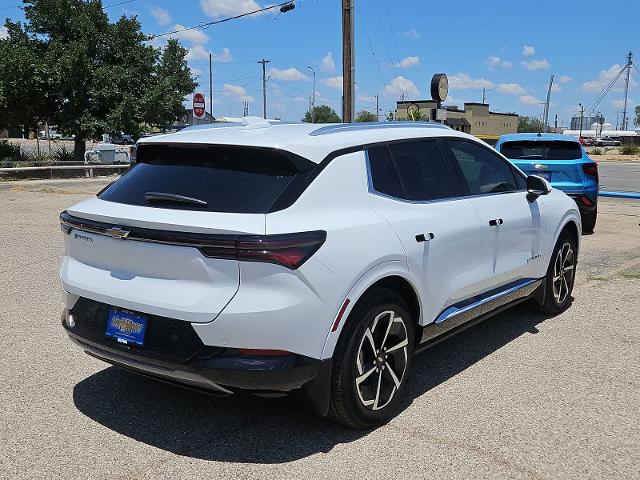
27 159
60 171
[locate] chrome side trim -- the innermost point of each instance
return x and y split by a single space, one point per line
453 310
457 318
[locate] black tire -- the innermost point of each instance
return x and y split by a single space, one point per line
347 403
589 221
558 288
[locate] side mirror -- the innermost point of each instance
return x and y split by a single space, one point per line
537 186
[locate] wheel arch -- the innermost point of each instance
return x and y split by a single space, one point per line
392 275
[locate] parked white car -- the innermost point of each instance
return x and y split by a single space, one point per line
274 258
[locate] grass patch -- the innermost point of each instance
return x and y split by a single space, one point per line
596 151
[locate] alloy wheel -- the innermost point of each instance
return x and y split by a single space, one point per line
563 271
381 361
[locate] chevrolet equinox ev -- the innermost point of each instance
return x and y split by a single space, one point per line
277 258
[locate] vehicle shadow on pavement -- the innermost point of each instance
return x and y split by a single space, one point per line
256 430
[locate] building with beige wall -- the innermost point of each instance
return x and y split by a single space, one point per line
474 118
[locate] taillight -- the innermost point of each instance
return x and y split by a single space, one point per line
590 169
290 250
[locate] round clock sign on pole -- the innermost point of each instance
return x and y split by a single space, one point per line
198 105
439 87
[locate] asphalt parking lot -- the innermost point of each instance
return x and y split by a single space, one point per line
518 396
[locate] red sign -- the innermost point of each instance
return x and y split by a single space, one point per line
198 105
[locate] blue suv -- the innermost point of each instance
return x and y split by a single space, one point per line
561 160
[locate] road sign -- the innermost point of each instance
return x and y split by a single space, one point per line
198 105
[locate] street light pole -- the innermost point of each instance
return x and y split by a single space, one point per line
313 96
264 87
581 117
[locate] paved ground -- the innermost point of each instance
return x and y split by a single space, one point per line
519 396
619 176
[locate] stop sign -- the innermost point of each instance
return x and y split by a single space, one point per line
198 105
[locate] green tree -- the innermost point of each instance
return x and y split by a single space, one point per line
100 76
25 93
172 78
323 114
636 121
365 116
416 115
529 125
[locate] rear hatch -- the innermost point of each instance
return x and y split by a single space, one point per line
559 162
161 239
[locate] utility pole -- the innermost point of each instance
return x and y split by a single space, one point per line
210 87
581 117
348 64
626 89
264 87
546 105
313 95
484 91
377 108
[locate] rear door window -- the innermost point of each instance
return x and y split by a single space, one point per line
207 178
411 170
542 150
484 171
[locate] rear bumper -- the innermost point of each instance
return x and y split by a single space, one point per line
219 371
587 202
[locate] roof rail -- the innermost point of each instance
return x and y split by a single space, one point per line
349 127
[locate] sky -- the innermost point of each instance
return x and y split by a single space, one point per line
510 48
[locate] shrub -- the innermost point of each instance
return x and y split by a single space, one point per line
63 154
596 151
10 152
629 149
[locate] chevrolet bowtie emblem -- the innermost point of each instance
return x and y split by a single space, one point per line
118 232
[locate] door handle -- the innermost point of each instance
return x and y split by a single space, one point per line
425 237
495 222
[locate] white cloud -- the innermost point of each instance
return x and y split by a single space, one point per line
333 82
4 33
237 91
161 15
197 52
193 36
300 99
528 50
288 74
620 104
227 8
367 98
511 88
536 64
565 79
462 81
530 100
454 101
412 34
604 78
556 87
407 62
225 57
399 86
328 64
494 61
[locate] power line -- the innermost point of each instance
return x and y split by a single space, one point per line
373 53
204 25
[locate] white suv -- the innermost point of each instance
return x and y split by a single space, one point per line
273 258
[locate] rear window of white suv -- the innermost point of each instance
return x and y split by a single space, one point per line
215 178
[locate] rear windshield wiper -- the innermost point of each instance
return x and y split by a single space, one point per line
531 156
173 197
